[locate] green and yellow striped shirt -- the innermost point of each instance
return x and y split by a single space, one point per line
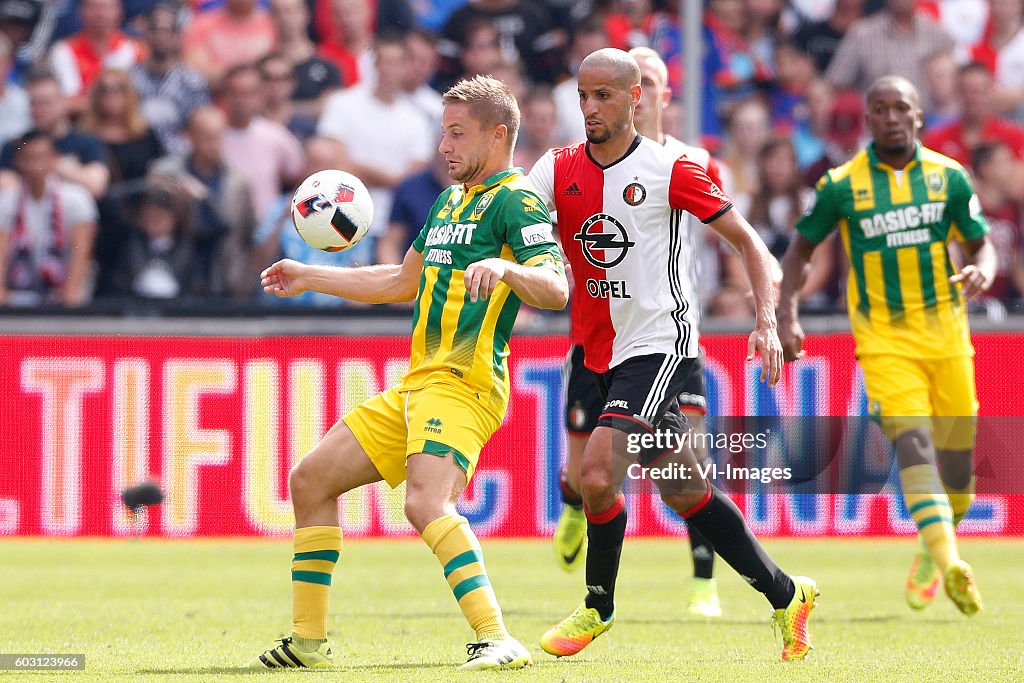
453 339
896 227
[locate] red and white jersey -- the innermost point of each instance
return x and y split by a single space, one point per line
623 232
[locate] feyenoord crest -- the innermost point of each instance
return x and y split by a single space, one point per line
634 194
936 181
604 240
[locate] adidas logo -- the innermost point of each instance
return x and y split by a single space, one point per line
433 426
573 191
597 590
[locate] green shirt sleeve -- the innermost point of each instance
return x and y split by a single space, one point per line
821 216
527 226
965 206
421 239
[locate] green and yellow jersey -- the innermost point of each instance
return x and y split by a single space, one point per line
453 339
896 227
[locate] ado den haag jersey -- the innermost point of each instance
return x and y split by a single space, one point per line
622 229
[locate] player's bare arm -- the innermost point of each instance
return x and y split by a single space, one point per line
977 276
369 284
757 262
796 264
541 285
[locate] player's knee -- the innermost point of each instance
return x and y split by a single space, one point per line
914 447
596 484
423 506
304 482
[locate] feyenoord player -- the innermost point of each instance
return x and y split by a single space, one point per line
583 402
621 199
897 205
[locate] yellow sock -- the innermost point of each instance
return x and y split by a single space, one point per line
929 507
458 551
316 552
960 500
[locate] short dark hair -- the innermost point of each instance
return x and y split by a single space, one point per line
983 153
974 67
41 75
33 135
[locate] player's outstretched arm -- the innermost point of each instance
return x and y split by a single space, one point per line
977 276
541 284
369 284
796 264
757 262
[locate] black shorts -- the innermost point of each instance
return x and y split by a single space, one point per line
642 389
694 395
584 401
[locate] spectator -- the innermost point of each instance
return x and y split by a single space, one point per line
513 75
762 28
277 237
47 227
14 113
1000 194
895 41
100 44
589 36
115 118
731 303
795 73
278 106
940 72
964 20
352 51
25 25
82 157
423 61
158 258
821 39
537 132
1002 52
238 33
481 51
413 198
978 123
781 196
526 33
315 77
384 137
222 206
748 131
732 72
169 91
844 132
262 150
431 16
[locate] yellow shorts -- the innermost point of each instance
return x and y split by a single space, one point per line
439 419
938 394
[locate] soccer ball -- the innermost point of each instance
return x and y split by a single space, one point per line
332 210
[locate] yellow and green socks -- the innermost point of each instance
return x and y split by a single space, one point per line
960 500
316 552
929 507
458 551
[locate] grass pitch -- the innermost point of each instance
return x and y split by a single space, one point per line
198 610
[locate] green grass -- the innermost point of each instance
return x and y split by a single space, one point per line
195 611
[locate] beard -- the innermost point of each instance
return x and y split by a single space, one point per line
467 171
600 135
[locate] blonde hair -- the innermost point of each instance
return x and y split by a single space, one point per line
490 100
92 117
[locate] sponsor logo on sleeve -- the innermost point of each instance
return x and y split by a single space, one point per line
538 233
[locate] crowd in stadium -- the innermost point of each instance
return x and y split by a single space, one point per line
149 148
